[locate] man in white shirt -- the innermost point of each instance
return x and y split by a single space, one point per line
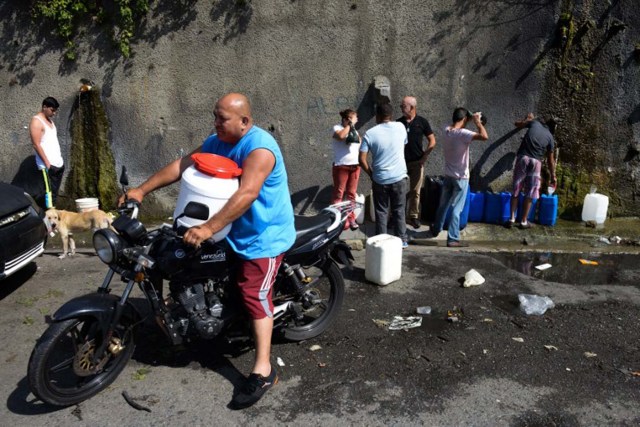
49 162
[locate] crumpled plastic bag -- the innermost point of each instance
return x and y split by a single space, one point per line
472 278
535 304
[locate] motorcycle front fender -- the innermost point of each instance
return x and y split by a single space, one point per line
99 306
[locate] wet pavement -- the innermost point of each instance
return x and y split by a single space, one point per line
578 364
619 235
619 269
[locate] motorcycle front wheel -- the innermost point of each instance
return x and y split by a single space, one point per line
61 368
319 306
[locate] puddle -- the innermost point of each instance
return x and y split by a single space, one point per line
612 269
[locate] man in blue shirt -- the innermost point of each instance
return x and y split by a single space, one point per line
261 215
388 170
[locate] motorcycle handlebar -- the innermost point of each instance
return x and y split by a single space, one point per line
130 205
178 233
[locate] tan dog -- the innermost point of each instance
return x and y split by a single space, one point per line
67 222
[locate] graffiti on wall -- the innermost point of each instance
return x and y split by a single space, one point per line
321 106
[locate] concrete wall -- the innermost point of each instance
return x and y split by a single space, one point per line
300 62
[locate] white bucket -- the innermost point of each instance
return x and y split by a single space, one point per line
383 260
595 208
87 204
196 186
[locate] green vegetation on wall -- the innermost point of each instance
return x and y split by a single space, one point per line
119 16
573 185
576 92
92 167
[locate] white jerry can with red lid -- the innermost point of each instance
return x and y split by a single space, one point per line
211 180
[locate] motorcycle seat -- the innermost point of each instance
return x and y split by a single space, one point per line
308 227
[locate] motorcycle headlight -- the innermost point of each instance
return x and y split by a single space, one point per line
108 245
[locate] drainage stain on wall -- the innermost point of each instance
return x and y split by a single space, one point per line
91 163
578 91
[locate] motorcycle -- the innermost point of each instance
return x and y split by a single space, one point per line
91 338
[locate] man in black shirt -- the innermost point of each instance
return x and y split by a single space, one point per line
415 155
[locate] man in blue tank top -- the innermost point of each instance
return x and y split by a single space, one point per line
261 215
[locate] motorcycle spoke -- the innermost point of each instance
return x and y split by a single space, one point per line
316 307
65 364
75 339
68 375
322 304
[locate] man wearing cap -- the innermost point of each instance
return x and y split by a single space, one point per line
261 215
536 144
455 144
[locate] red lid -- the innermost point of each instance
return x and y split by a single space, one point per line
217 166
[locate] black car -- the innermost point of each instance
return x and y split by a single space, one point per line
23 233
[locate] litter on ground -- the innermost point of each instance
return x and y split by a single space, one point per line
400 322
473 278
381 323
455 314
535 304
423 310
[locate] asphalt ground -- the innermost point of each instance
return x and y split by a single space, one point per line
576 365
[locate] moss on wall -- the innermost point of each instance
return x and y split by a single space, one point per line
92 167
578 91
573 185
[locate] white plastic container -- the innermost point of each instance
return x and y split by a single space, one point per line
383 260
212 180
87 204
595 208
359 211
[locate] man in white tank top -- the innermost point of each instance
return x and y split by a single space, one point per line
49 162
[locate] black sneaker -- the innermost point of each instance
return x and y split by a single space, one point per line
414 222
253 389
430 235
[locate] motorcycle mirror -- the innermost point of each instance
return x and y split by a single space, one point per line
197 211
124 179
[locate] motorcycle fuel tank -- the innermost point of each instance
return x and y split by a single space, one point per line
178 261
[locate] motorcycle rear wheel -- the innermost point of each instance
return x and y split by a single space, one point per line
60 369
328 294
